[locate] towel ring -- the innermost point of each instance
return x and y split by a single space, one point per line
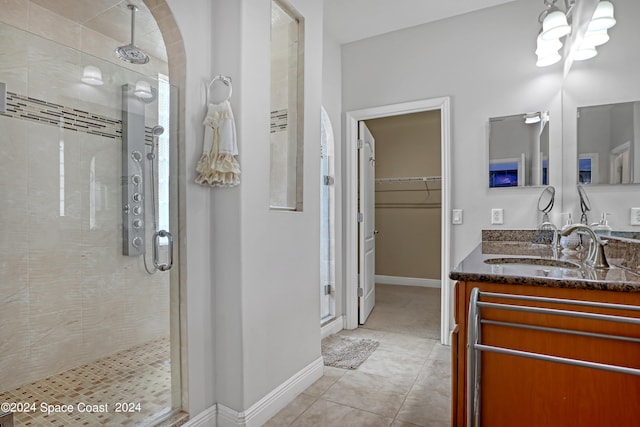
224 79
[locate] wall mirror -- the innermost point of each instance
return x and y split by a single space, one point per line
609 143
519 150
598 90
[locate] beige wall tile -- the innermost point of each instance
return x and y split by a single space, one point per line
14 312
13 58
58 326
55 356
52 26
54 72
97 44
78 11
14 12
14 369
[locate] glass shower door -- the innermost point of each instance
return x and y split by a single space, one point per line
327 218
88 333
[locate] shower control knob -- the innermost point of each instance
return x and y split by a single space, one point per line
137 242
137 210
137 223
136 155
136 179
137 197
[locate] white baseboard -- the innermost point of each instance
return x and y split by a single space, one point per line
407 281
333 327
272 403
206 418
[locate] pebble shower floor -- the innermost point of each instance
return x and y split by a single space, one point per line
134 383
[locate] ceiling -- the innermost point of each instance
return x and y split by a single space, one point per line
345 20
351 20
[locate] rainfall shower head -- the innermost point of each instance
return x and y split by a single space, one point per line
130 53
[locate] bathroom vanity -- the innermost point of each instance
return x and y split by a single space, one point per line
520 389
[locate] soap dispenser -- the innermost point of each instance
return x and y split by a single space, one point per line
571 242
602 227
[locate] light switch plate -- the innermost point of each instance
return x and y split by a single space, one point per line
456 216
497 216
635 216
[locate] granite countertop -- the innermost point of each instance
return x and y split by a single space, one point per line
541 267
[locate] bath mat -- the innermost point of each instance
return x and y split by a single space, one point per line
346 352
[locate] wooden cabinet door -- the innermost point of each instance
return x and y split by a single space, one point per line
517 391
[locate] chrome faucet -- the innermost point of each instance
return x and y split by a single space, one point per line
596 257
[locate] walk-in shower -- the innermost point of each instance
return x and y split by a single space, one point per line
81 321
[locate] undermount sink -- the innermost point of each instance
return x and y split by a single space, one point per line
542 262
539 267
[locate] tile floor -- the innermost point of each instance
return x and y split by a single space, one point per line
408 310
405 382
141 374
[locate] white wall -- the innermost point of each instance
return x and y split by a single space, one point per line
488 70
265 263
196 30
252 302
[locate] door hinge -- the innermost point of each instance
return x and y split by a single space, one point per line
360 217
360 144
328 180
328 289
360 292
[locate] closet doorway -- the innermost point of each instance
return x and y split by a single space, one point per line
408 212
411 225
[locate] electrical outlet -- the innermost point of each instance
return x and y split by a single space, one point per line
635 216
456 216
497 216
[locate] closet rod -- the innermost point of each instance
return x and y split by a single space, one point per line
408 179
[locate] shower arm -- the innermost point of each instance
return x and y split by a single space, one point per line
133 23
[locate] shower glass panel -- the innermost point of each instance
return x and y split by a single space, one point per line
327 220
82 324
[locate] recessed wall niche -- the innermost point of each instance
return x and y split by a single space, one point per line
287 108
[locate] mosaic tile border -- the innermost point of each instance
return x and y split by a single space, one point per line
37 110
279 120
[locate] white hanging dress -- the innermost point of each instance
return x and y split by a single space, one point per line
218 166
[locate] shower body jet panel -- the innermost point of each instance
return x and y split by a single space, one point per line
133 149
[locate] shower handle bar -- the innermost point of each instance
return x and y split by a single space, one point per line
156 250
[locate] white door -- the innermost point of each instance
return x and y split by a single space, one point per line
366 225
